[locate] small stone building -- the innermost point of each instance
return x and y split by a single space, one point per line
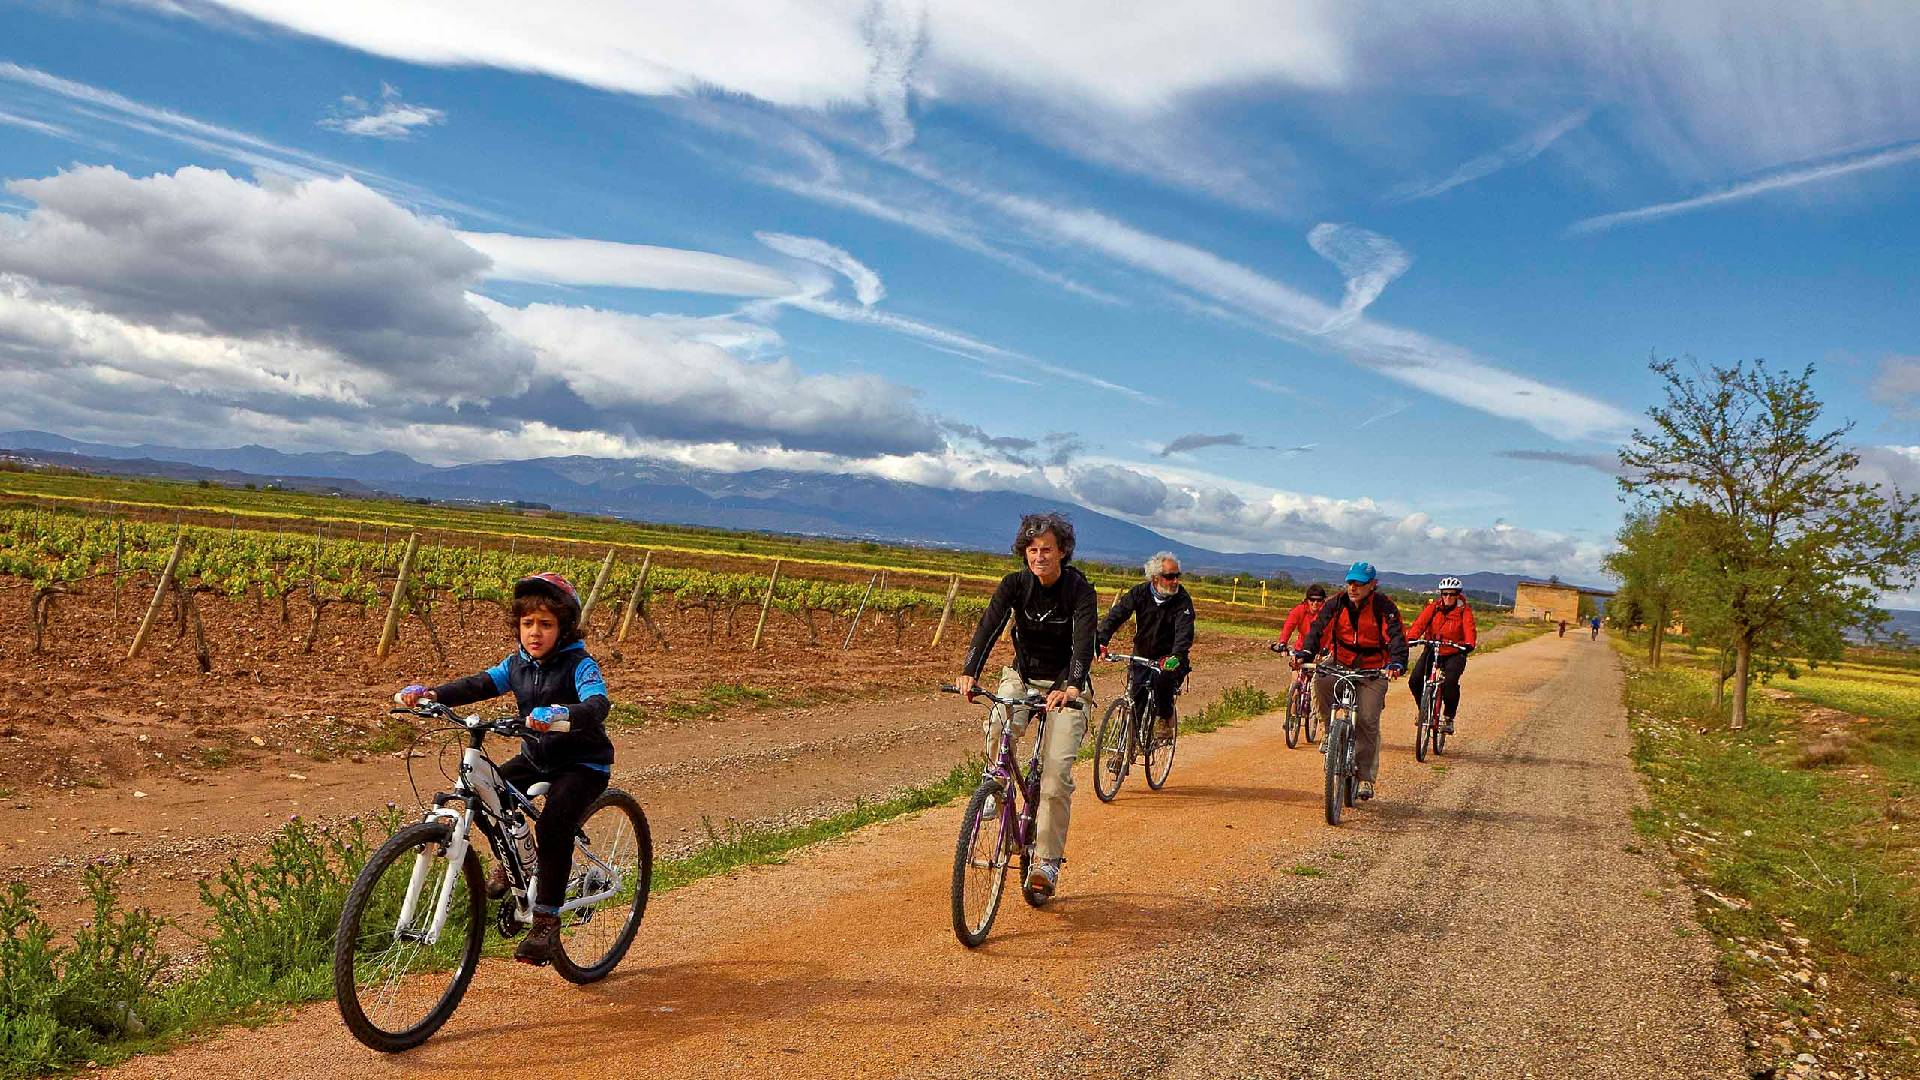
1550 600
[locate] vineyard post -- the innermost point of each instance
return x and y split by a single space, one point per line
633 601
1263 592
159 594
392 629
599 582
946 609
862 610
1234 597
765 603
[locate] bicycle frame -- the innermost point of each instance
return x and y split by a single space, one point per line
1005 769
482 794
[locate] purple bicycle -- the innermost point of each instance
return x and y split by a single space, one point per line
992 831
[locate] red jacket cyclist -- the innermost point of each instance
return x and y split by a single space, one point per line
1445 618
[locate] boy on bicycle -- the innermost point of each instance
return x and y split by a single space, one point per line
1053 608
1163 629
1446 618
552 680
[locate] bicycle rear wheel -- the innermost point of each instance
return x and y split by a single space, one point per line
614 847
1112 750
1313 719
1336 772
1160 751
393 988
979 865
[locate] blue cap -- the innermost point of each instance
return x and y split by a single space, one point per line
1362 572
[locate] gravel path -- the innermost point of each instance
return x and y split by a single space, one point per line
1499 924
1218 928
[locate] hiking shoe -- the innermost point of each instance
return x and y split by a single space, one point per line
541 941
1449 728
497 881
1364 790
1163 729
1044 877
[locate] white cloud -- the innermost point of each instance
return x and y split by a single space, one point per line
30 124
571 261
1432 366
896 34
1518 152
867 287
1792 177
1897 384
1369 261
387 118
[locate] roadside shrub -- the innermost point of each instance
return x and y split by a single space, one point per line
273 919
60 1004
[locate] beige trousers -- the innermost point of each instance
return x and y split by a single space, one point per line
1371 698
1066 729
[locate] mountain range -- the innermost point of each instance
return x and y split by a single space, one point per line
813 504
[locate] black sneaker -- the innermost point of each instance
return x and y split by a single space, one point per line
1449 727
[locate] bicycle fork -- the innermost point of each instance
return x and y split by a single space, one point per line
456 856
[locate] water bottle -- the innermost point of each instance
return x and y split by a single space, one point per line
523 843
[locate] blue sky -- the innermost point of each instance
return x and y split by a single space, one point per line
1348 280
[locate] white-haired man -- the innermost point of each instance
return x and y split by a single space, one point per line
1162 612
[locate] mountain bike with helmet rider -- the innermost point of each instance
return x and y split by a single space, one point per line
1054 610
1294 631
1163 617
552 679
1446 618
1361 630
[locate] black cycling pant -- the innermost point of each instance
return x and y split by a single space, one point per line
574 787
1451 667
1164 685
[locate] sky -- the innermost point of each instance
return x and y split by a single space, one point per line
1351 280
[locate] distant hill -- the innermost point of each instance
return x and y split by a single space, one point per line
812 504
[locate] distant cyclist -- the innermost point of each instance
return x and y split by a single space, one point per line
1447 618
1595 624
1294 631
1162 614
1361 629
1054 609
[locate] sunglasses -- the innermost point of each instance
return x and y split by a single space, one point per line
1174 576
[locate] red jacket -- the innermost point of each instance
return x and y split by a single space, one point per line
1297 622
1445 625
1372 638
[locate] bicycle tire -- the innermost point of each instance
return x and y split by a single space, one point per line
1294 721
611 948
972 930
1336 777
1160 768
1313 723
1423 724
1440 737
1114 725
362 898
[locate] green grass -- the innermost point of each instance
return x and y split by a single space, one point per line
1751 817
1303 870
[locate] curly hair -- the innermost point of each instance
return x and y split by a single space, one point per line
1032 525
570 628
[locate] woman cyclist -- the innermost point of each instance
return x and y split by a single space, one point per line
1054 609
1445 618
1294 630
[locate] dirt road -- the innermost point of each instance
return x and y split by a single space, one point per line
1216 929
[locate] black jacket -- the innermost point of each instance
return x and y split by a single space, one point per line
568 676
1160 629
1052 628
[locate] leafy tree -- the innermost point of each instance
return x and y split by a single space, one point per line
1650 562
1787 549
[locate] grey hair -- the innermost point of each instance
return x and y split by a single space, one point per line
1158 562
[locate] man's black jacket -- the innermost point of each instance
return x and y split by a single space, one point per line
1161 627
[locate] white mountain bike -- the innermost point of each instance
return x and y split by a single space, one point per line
415 919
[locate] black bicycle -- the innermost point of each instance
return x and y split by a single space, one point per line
1129 732
1343 759
1430 728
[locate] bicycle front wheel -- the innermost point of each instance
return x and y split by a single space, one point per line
1336 772
613 851
1111 750
1294 721
394 987
1312 720
1423 725
979 865
1160 752
1439 735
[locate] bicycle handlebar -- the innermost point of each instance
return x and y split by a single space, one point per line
1340 671
511 727
1116 657
1436 641
1034 701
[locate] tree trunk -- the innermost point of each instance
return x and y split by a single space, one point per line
1658 639
1742 664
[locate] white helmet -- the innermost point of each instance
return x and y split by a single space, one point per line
1449 583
